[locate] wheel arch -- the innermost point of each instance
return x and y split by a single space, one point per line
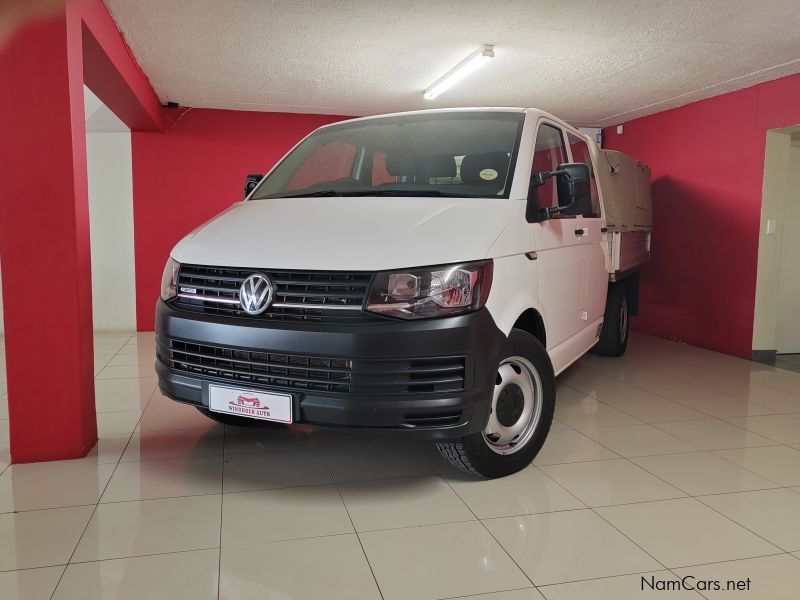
532 322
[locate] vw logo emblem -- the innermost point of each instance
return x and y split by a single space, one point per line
255 294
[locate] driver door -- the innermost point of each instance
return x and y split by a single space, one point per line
562 262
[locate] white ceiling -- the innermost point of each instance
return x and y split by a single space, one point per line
591 62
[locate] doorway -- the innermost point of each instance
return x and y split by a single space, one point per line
776 328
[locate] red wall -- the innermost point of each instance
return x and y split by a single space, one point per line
708 164
194 170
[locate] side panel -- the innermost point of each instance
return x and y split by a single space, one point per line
515 289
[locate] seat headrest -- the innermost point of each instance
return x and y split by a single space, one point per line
489 168
439 165
400 164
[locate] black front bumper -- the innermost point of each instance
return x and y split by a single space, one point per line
434 414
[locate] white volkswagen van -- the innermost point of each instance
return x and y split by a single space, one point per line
423 274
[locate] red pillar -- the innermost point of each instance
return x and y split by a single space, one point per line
44 243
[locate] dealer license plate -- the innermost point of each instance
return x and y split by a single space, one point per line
248 403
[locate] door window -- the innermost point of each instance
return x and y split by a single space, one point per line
581 154
548 154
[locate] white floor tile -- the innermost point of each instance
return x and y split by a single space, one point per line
713 434
332 567
639 440
407 502
582 411
127 372
606 482
269 437
30 584
114 395
652 409
772 514
191 575
125 529
722 406
108 449
163 414
40 538
528 492
625 587
771 577
525 594
131 360
440 561
685 532
183 443
776 400
781 428
165 479
778 379
568 546
264 471
776 463
111 423
277 515
701 473
570 446
52 484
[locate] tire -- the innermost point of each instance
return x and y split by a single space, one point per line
616 323
524 364
236 421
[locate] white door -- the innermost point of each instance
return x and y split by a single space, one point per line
562 262
594 243
787 334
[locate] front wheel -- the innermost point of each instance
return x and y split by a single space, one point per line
523 401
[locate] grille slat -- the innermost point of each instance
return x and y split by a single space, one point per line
317 296
296 372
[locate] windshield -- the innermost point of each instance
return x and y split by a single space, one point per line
458 154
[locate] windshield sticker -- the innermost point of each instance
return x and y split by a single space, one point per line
489 174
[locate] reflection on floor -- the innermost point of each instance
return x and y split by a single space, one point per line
790 362
671 461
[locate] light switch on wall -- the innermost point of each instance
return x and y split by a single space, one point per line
772 226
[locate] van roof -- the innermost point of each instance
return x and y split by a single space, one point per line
513 109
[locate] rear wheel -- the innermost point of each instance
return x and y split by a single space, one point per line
614 335
235 420
523 401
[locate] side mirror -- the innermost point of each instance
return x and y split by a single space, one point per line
251 182
574 197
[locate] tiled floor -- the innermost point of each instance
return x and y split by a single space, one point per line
790 362
671 461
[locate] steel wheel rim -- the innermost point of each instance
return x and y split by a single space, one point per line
500 435
623 320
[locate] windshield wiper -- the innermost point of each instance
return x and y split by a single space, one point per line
320 193
399 192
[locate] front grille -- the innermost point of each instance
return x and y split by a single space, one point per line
297 372
321 296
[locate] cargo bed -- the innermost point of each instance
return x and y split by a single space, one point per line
625 185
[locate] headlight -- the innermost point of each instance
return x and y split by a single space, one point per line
431 292
169 280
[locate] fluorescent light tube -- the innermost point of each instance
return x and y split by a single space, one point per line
466 67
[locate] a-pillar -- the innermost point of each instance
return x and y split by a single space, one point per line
44 243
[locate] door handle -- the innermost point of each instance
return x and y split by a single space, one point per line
580 232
